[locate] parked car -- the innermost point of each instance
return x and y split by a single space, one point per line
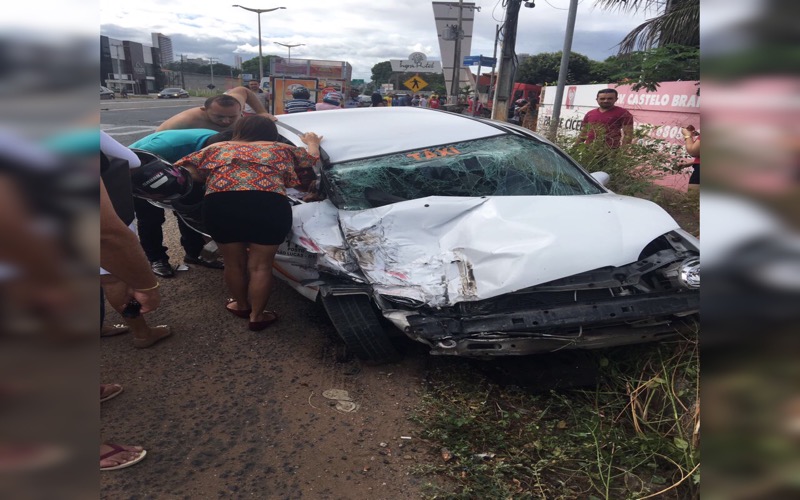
106 93
478 238
172 93
364 101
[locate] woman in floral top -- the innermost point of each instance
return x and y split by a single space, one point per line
245 208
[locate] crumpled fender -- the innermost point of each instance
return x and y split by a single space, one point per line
445 250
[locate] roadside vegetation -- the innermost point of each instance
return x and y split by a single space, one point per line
634 169
632 434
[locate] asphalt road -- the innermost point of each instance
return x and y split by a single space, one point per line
128 120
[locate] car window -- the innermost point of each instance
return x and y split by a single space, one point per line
498 166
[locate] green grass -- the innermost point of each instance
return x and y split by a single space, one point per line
631 436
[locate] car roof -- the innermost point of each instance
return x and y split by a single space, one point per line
350 134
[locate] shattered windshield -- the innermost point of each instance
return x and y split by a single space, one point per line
497 166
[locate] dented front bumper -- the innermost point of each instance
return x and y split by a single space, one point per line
619 321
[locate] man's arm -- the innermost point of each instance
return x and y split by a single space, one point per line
246 95
122 256
627 129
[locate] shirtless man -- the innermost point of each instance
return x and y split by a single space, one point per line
217 113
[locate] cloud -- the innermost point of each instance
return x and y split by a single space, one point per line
359 32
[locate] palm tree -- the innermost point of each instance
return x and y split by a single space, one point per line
678 22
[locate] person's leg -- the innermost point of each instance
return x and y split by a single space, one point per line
235 274
259 267
149 219
191 241
143 335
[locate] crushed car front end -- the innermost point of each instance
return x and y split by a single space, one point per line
654 298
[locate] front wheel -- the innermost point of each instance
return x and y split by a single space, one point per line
358 326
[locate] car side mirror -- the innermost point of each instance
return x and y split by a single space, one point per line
601 177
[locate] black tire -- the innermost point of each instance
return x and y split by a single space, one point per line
358 326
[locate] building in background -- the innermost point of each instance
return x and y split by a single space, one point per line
130 65
237 62
164 43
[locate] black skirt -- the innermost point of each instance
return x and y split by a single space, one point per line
257 217
695 177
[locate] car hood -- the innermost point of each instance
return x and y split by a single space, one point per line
445 250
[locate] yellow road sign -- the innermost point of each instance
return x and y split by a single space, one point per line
415 83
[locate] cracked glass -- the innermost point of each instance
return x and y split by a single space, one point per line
497 166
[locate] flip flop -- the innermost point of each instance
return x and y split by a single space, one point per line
116 449
257 326
112 391
160 332
113 330
245 313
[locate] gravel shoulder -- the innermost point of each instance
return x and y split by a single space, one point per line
227 412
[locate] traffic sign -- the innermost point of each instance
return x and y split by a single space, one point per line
479 61
415 83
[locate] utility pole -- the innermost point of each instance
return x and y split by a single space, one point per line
508 68
211 59
183 82
494 64
562 72
457 54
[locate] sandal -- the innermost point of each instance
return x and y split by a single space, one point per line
109 391
157 333
117 449
241 313
257 326
112 330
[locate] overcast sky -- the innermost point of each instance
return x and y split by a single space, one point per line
360 32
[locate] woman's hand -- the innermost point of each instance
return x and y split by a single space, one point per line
311 139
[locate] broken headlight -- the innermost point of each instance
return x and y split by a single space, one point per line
684 274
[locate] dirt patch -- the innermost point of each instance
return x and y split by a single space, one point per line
225 412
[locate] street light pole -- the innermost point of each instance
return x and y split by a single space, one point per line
562 72
260 56
289 46
457 63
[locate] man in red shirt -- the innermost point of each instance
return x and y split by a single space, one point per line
610 122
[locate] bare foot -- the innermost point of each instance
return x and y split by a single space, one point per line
233 307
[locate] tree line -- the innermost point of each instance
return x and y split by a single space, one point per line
644 69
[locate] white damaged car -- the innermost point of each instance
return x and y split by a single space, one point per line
478 238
